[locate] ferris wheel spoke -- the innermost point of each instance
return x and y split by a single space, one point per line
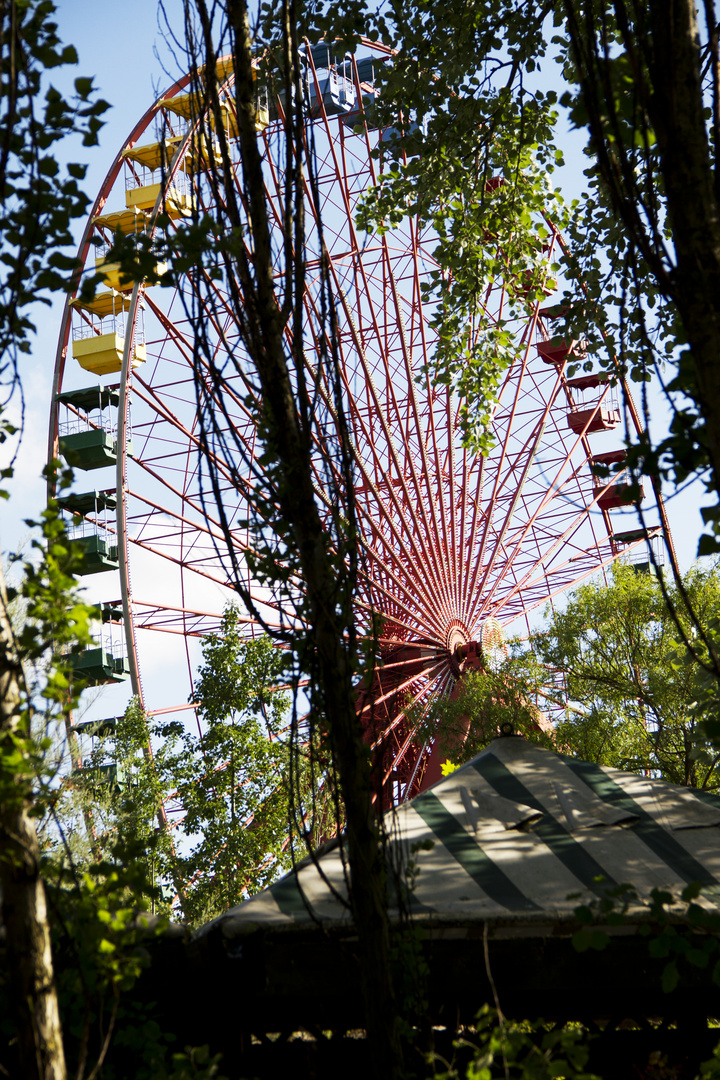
397 488
513 468
552 584
434 529
339 178
408 746
199 525
406 685
411 589
227 345
188 527
163 413
378 320
415 622
163 479
214 574
562 571
489 525
407 613
407 742
418 533
519 542
166 618
397 517
397 758
416 661
443 533
450 468
555 493
498 535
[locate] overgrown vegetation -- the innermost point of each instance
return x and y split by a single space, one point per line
631 669
607 679
226 783
38 202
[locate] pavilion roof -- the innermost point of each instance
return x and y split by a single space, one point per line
517 838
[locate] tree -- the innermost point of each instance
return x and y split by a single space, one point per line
509 696
612 673
301 531
628 689
233 781
37 204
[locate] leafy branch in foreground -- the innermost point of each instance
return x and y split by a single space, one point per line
475 167
527 1050
481 87
38 199
55 621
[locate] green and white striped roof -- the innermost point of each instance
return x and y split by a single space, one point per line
518 837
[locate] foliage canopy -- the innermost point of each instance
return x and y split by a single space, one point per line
485 89
612 674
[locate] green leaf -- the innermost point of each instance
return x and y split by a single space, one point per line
84 86
708 545
670 977
584 940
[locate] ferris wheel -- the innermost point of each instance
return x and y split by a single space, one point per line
459 547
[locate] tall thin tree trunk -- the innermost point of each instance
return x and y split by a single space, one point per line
691 186
291 449
24 909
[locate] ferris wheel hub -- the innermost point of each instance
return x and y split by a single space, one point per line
457 636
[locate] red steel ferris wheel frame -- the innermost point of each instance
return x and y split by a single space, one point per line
450 538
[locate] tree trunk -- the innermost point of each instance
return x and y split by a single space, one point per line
687 169
328 601
662 42
24 910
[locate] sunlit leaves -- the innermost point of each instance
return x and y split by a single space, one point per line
485 199
628 684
